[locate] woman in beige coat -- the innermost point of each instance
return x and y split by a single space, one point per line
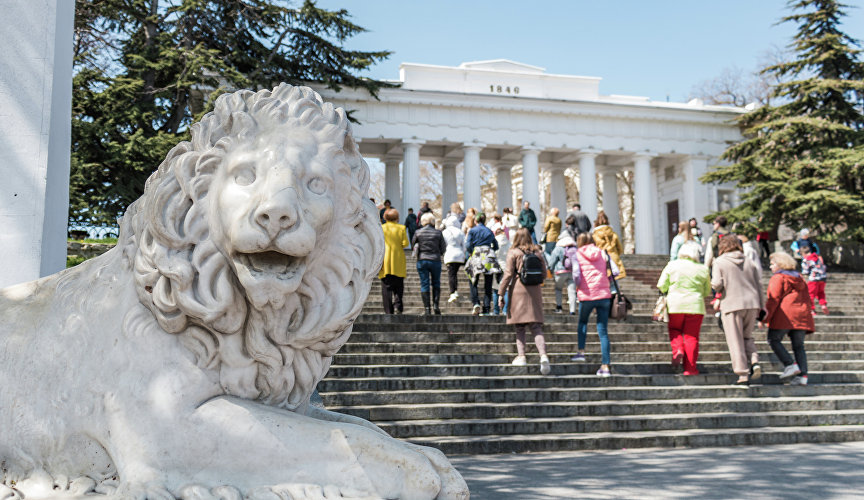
526 302
737 281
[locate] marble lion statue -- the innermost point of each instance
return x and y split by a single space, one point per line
180 363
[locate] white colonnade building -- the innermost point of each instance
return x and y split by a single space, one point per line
506 114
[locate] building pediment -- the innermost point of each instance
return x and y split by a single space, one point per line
504 65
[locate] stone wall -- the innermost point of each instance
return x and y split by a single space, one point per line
77 249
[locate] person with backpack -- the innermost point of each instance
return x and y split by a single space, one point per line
594 293
562 271
524 272
711 252
454 255
816 273
481 246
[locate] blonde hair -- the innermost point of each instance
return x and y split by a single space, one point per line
684 229
584 239
427 218
783 261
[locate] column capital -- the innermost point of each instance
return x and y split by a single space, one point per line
531 150
392 159
588 153
501 165
644 155
473 146
412 143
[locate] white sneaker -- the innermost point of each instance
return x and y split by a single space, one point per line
519 361
790 371
477 309
453 297
544 365
798 381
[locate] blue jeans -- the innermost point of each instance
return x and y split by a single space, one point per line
495 301
602 306
427 269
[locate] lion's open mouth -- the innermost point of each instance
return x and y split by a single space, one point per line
272 263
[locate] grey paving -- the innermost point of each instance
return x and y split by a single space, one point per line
798 471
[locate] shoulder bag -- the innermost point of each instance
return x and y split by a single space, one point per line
620 304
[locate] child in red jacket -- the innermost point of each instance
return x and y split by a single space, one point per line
814 271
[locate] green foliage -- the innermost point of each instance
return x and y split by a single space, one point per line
74 260
802 161
146 69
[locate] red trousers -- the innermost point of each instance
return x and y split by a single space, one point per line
817 292
684 337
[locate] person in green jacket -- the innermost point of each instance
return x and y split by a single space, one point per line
686 283
528 220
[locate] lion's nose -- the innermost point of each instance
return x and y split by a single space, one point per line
277 214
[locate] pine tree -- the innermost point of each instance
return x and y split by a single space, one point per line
146 69
801 162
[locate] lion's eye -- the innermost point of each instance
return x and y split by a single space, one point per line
317 185
244 177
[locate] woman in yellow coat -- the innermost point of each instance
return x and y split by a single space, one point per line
392 274
606 239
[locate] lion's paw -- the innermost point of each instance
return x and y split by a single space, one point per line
8 493
453 486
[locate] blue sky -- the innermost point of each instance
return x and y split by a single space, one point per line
653 48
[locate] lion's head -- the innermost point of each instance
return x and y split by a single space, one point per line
256 241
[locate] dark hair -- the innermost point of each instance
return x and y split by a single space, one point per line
570 220
693 219
584 239
577 206
729 243
602 220
410 210
391 215
721 220
480 218
387 202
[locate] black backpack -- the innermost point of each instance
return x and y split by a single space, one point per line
531 273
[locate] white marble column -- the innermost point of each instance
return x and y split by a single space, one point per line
530 179
392 182
558 188
588 182
504 187
471 173
642 207
610 197
410 176
449 192
696 195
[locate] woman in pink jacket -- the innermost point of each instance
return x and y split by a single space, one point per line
592 289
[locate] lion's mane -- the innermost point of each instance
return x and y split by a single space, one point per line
273 354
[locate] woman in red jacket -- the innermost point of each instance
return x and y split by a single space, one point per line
788 313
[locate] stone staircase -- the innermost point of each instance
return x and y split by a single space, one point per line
446 381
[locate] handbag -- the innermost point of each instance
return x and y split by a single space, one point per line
620 304
660 312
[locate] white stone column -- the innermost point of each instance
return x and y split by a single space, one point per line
610 197
697 196
642 206
558 188
504 187
449 192
392 182
410 176
471 182
36 109
588 182
530 180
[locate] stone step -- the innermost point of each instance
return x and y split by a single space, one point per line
413 430
563 357
589 368
826 382
677 438
356 347
507 403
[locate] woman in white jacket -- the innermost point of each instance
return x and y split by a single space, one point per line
454 256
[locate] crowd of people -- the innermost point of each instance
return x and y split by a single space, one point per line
727 269
505 264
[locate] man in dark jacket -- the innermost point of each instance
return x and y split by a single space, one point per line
528 220
411 224
429 246
383 209
581 222
424 208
